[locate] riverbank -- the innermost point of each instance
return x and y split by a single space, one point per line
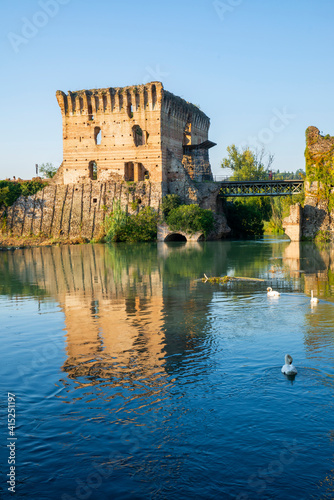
12 242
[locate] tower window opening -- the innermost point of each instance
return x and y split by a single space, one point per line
138 136
97 136
130 110
92 168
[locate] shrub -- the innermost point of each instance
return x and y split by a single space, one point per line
190 218
10 191
169 202
131 228
115 222
142 226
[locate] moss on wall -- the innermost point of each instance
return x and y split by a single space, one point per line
319 157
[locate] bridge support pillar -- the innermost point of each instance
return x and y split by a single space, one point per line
292 225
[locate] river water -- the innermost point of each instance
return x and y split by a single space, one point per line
133 379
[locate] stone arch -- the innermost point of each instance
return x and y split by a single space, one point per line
175 237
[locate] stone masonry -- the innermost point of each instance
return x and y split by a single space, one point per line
133 144
127 134
316 215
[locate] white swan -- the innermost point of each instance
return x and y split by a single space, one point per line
272 293
288 368
314 300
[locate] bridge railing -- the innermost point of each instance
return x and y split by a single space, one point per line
228 178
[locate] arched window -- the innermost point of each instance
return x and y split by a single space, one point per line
154 96
130 110
92 167
97 135
90 112
138 135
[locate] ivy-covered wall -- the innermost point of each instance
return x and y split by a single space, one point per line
318 211
319 157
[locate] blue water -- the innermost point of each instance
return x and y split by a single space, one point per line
133 379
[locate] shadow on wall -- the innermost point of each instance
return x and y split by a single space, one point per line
314 219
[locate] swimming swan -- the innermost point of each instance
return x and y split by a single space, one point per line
288 368
272 293
314 300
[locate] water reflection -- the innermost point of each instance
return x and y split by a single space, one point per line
130 306
167 378
315 263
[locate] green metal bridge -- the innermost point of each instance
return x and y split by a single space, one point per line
260 188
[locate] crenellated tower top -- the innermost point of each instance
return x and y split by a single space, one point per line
111 99
129 133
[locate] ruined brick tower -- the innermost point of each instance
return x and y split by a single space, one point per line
130 145
135 133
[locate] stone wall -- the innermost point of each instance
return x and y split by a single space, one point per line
317 215
124 144
78 210
292 224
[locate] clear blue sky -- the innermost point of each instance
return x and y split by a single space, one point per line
261 70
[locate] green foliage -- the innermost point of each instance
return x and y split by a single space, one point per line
142 226
48 170
169 202
10 191
280 208
323 236
190 218
285 176
244 219
4 192
115 222
134 205
131 228
246 164
320 167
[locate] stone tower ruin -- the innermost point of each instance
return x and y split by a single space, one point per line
130 145
132 134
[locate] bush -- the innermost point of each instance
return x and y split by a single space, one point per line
131 228
190 218
142 226
115 223
169 202
10 191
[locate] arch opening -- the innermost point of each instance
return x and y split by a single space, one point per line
97 135
92 169
175 237
138 136
130 110
154 96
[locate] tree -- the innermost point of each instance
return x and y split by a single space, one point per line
48 170
247 164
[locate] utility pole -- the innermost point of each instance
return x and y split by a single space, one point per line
36 165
